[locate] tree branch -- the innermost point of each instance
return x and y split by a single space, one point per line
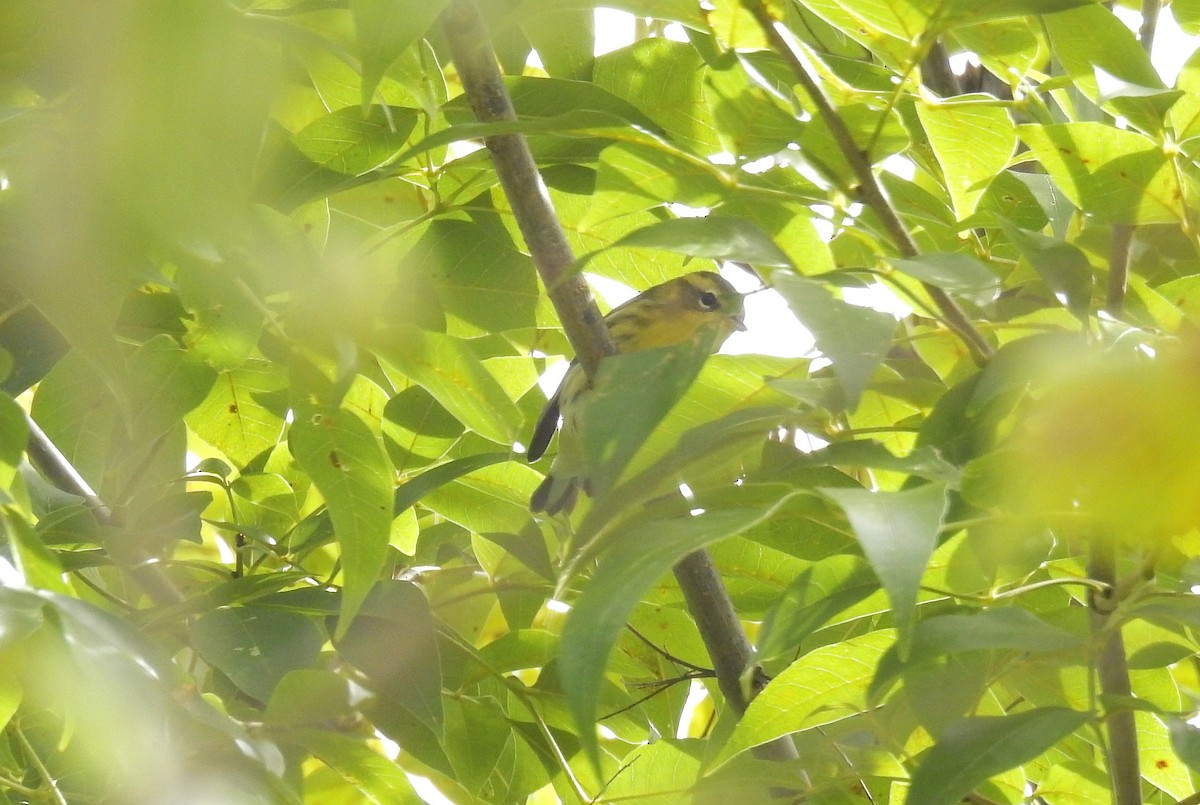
471 47
1150 9
50 461
1118 268
705 593
1113 671
872 192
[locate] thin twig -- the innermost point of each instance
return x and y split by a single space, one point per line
872 192
666 654
659 685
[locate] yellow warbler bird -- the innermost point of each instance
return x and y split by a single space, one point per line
662 316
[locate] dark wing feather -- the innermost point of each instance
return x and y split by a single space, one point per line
543 431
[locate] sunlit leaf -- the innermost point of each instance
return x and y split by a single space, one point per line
822 687
347 465
448 369
974 749
854 338
973 142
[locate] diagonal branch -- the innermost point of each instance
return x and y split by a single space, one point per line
51 462
872 192
702 587
475 60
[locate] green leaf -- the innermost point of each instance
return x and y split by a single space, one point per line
343 458
897 531
663 79
641 553
305 697
854 338
39 567
393 642
1117 176
256 646
1187 14
818 593
655 769
1185 740
822 687
958 274
479 275
973 142
695 447
1061 265
974 749
384 29
563 36
14 435
713 237
377 778
408 494
923 462
965 12
450 371
630 395
166 383
354 141
1109 65
1007 628
235 417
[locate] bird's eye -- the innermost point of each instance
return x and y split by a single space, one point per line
709 301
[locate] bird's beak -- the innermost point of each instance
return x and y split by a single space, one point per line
738 320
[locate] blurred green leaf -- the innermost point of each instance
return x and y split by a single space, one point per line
714 237
454 376
372 775
958 274
393 643
256 646
384 29
974 749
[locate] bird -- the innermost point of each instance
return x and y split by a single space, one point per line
664 315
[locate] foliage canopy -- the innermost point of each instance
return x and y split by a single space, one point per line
267 299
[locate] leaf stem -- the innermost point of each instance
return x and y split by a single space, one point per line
872 192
